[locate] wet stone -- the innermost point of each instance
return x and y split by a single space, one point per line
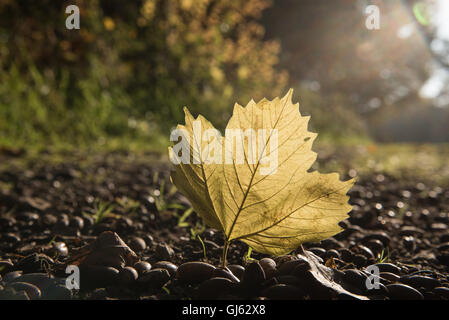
194 272
137 244
128 275
225 273
441 292
253 277
389 276
269 267
154 279
142 267
35 262
237 270
167 265
398 291
32 291
6 266
417 282
388 267
98 276
214 288
164 252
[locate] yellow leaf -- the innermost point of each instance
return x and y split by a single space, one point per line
254 183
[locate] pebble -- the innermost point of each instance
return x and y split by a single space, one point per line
98 276
214 288
164 252
76 223
290 280
283 292
417 282
346 255
442 292
49 220
253 277
60 248
57 292
167 265
225 273
381 236
128 275
288 267
389 276
359 260
32 291
36 262
155 278
375 245
332 253
409 243
269 267
331 243
7 277
237 270
388 267
438 226
6 266
137 244
320 252
194 272
355 277
142 267
443 247
398 291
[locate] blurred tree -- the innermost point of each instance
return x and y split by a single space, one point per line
136 62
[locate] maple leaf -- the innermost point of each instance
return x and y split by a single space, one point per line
254 183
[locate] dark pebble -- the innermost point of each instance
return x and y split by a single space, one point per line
389 276
381 236
32 291
6 266
288 267
332 253
164 252
320 252
237 270
128 275
98 276
375 245
253 277
269 267
388 267
417 282
167 265
214 288
137 244
398 291
142 267
442 292
194 272
225 273
35 262
155 278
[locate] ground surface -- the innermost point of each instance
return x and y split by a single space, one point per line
50 209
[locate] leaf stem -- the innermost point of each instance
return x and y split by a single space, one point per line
225 252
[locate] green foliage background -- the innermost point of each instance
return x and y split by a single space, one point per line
132 66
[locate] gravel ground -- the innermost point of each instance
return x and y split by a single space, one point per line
132 236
